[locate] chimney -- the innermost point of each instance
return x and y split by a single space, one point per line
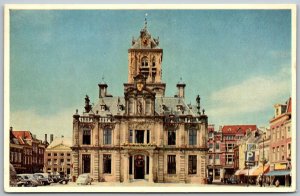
34 136
51 138
102 90
180 87
220 128
45 138
10 129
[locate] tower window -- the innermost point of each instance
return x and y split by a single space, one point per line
153 62
144 62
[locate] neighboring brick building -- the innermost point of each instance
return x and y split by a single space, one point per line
280 144
221 149
58 157
25 147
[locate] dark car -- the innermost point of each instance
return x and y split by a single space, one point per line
54 178
43 178
27 180
232 181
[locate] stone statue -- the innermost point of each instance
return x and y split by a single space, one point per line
87 106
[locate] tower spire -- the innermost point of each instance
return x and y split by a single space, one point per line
146 20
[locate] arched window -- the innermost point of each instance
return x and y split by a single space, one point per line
153 62
144 62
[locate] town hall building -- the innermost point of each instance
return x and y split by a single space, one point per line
142 135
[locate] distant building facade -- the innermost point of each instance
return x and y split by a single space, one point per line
26 152
58 158
143 135
221 154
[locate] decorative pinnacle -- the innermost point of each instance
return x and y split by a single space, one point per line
198 103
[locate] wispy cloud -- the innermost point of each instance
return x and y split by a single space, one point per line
57 124
254 94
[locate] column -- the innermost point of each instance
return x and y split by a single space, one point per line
214 174
125 168
145 136
96 166
151 168
100 166
133 136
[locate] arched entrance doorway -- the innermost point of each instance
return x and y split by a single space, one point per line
139 167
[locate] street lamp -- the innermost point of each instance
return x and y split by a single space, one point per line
263 182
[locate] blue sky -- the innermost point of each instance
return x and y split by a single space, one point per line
239 61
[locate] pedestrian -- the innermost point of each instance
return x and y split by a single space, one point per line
277 183
260 182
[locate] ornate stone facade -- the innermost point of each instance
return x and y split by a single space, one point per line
143 135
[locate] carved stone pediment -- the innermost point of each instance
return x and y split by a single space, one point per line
107 125
189 126
87 125
140 125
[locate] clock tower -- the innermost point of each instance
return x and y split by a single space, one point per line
145 58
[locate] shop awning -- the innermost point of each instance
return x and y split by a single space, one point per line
243 172
237 172
279 173
259 170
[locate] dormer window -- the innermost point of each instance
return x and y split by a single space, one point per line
103 108
179 108
121 107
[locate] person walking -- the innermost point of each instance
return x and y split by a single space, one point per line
277 183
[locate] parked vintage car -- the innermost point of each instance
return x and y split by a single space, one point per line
63 180
12 176
232 180
27 180
54 178
84 179
43 178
